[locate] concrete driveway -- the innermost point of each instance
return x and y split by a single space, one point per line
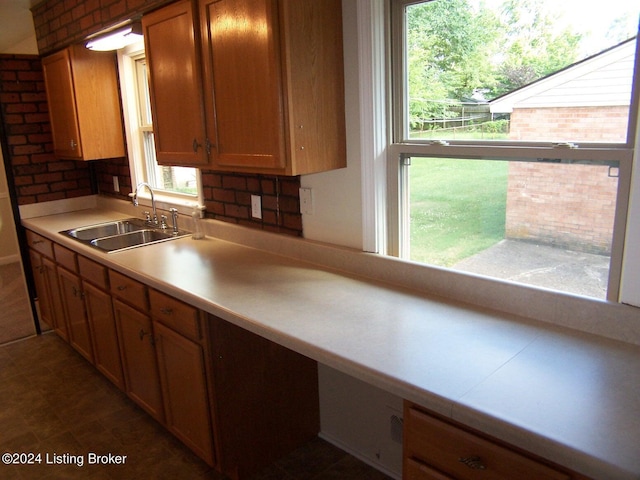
544 266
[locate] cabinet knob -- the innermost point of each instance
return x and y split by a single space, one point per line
143 334
195 145
73 144
473 462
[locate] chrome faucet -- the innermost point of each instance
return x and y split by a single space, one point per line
134 200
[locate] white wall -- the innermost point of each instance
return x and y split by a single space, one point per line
359 419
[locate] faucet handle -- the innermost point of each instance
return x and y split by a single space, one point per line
163 222
147 217
174 220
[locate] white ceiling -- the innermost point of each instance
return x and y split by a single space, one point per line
17 34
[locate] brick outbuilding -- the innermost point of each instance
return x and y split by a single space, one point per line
569 205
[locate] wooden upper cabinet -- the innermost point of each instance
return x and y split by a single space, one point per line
84 104
254 86
242 61
275 68
177 103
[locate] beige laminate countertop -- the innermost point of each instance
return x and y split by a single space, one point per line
570 397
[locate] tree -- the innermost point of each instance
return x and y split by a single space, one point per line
447 47
534 45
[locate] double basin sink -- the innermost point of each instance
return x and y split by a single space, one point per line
124 234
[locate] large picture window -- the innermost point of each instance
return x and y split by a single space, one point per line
513 138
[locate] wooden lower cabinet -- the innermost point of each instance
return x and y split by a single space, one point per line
184 389
45 277
138 354
102 323
75 314
106 351
238 400
435 449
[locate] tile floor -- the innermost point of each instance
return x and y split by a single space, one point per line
53 402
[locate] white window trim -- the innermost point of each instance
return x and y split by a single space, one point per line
624 276
128 88
373 139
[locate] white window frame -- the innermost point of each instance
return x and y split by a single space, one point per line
127 58
624 269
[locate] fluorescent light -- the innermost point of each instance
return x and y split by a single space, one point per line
117 39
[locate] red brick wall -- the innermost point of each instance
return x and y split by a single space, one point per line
571 206
575 124
38 176
227 196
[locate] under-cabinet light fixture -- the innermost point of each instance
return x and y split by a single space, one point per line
116 39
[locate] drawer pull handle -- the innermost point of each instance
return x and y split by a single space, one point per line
143 334
36 242
166 310
473 462
121 287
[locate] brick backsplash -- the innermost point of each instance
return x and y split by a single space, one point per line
37 175
227 197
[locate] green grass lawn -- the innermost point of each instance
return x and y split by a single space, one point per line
457 208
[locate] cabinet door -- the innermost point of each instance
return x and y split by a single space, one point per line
84 104
54 295
46 282
184 388
139 363
62 105
75 314
172 53
242 67
104 335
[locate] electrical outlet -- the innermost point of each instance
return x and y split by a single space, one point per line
116 184
306 201
256 206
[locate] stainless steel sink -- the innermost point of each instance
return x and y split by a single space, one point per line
107 229
122 234
131 239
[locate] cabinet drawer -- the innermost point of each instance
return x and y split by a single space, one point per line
93 272
464 455
175 314
40 244
129 290
419 471
65 258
